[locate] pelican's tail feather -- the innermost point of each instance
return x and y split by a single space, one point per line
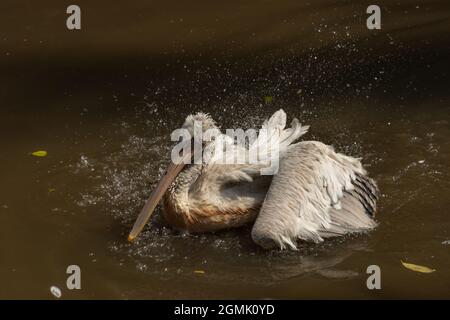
355 215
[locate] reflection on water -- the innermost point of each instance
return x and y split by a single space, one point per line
106 126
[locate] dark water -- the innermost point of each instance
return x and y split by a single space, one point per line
102 101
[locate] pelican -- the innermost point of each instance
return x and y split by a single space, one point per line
316 193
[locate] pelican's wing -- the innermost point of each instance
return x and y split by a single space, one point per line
317 193
218 171
273 135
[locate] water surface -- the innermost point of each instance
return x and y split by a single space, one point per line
103 102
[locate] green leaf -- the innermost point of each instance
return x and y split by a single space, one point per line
268 99
417 268
40 153
199 271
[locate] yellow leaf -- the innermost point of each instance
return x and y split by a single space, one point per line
51 189
417 268
199 271
40 153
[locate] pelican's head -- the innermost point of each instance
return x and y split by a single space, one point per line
203 121
199 118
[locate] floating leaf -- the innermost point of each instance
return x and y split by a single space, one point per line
51 190
40 153
417 268
268 99
199 271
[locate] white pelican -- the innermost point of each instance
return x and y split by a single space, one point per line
317 193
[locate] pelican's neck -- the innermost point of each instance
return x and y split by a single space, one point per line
176 199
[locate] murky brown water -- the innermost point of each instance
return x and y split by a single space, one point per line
103 100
